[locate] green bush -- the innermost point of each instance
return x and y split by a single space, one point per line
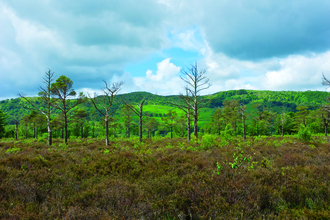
208 141
228 133
304 133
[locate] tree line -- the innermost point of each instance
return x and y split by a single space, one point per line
59 96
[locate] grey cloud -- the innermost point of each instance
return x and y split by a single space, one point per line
262 29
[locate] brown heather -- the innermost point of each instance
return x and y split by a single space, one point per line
165 179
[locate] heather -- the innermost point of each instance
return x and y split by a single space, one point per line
162 178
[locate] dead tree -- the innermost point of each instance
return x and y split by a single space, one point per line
46 100
196 82
109 92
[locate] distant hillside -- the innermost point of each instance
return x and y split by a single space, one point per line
158 104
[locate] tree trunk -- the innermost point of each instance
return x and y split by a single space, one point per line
140 127
326 127
244 136
106 132
36 133
195 122
171 132
82 131
257 129
128 132
282 129
49 133
93 129
65 129
34 130
188 125
16 130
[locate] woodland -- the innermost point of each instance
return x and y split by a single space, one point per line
239 154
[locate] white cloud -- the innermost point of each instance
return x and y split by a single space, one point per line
296 72
165 71
166 81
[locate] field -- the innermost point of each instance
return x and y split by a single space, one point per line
162 178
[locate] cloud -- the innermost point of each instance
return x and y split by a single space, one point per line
166 81
295 73
256 44
84 40
165 71
257 30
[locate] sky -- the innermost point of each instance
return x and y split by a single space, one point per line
255 44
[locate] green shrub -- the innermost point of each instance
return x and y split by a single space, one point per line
304 133
13 150
208 141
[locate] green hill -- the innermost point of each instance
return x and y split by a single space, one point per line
159 105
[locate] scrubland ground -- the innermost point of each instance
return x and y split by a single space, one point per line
162 178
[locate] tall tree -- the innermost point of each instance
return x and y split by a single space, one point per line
63 93
196 82
103 104
46 107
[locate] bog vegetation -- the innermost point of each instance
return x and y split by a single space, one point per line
231 155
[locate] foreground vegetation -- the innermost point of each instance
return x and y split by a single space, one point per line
163 178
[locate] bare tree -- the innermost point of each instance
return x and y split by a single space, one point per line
109 92
196 82
46 100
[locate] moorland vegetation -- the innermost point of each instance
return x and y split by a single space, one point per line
232 155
